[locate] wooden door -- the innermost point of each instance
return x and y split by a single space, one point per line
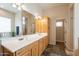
60 31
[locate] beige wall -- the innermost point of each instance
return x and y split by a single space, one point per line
76 27
5 13
59 12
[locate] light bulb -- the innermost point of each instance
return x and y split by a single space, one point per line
23 6
19 8
39 17
36 17
14 5
18 4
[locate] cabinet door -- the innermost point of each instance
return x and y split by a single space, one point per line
26 51
35 49
46 41
41 25
6 52
44 44
41 46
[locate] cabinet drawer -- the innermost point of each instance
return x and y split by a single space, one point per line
26 51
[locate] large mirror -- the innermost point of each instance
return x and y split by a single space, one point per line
28 26
15 24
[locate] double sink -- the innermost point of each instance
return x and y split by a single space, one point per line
16 43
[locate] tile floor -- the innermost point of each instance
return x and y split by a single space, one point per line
55 50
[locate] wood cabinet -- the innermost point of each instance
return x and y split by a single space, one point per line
43 44
41 25
34 49
30 50
6 52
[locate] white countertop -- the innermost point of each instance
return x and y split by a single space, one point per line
13 44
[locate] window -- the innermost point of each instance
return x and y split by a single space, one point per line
59 24
5 24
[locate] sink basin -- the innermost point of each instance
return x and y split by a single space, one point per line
20 39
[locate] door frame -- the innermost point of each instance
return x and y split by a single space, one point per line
60 19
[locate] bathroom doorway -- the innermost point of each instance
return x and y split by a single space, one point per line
60 36
60 30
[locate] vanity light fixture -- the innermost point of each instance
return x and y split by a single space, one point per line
38 17
19 6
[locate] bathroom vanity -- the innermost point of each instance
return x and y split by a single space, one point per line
27 45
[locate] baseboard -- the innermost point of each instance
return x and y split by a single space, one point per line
59 41
52 43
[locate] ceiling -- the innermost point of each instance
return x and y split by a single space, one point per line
34 8
8 7
45 6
